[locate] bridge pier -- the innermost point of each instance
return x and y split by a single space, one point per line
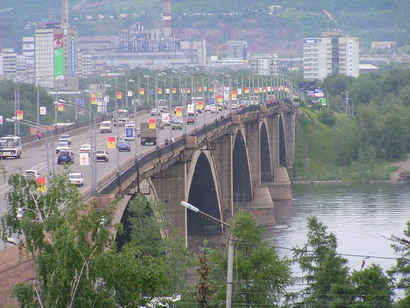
280 188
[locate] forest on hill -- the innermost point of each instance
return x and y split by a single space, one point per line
264 22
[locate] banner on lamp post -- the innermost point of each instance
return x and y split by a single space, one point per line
20 114
111 142
152 124
43 110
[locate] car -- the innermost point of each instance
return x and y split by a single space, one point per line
138 132
65 156
208 107
124 145
213 109
106 127
101 155
62 146
162 108
154 112
85 148
190 120
76 178
65 138
31 174
177 124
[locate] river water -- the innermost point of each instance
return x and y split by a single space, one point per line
358 214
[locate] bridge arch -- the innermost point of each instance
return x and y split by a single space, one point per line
242 185
282 143
203 192
265 155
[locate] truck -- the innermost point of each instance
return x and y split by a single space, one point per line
147 135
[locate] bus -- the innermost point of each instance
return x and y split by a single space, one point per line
10 146
122 116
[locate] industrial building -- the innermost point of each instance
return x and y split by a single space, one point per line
330 54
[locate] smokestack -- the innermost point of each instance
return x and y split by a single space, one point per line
166 17
64 14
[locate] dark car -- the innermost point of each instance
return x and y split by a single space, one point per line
124 146
65 157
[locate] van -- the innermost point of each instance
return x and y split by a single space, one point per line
106 127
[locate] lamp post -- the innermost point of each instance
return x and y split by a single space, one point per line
93 136
41 128
397 239
229 274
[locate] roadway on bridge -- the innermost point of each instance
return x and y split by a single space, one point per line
34 157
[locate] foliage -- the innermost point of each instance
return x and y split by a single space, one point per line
205 287
261 276
72 247
152 231
327 117
324 269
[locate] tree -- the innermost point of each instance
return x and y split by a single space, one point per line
325 270
72 246
261 276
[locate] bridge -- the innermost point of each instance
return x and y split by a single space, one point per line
226 163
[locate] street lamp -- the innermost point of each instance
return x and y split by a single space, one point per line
397 239
229 275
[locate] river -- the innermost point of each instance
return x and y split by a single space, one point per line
358 214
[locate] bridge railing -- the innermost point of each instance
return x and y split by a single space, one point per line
143 159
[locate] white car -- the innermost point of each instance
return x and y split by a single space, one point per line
65 138
101 155
76 178
62 146
31 174
85 148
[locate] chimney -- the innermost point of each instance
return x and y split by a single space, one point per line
166 17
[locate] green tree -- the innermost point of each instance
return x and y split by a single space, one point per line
325 271
205 287
261 276
70 243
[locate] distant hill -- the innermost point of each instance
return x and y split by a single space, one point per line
268 26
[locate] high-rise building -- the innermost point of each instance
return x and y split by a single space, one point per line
330 54
56 58
265 64
28 53
8 63
237 49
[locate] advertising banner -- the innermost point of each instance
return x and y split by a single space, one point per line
41 184
20 114
60 107
152 123
200 105
233 94
220 99
188 90
72 52
142 91
84 159
1 119
211 89
178 111
246 90
129 93
159 90
174 90
111 142
58 55
43 110
119 95
199 89
255 90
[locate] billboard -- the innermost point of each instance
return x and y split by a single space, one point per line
58 40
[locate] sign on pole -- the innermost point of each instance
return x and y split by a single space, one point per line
60 107
80 101
119 95
129 93
41 184
178 111
111 142
43 110
152 123
211 100
84 159
129 132
20 114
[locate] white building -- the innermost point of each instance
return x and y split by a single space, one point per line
330 54
265 64
56 58
28 52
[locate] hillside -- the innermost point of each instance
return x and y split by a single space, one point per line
268 26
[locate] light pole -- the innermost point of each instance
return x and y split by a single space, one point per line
397 239
93 136
229 274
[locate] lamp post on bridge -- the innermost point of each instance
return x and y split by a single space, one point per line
229 275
